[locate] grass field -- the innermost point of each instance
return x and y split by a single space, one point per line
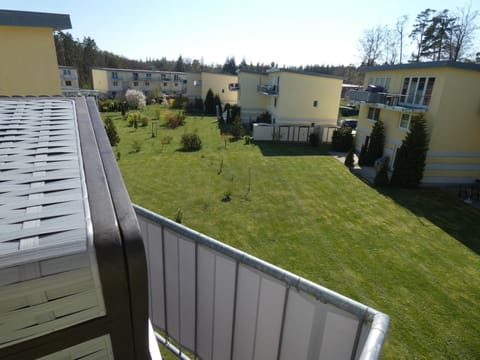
413 254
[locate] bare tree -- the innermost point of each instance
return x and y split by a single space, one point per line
390 46
463 33
371 45
400 29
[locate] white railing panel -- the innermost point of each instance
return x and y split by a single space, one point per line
205 303
270 316
299 318
172 281
187 292
248 287
224 307
338 336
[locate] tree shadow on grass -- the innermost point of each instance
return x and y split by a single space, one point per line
450 214
271 148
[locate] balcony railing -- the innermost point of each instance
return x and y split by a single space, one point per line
217 302
390 100
268 89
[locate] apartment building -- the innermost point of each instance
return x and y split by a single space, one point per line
68 78
447 94
113 81
28 65
292 98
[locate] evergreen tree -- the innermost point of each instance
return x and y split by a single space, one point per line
180 64
218 103
362 155
210 103
381 175
411 156
111 131
236 128
350 159
377 143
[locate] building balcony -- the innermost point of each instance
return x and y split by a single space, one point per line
268 89
391 101
218 302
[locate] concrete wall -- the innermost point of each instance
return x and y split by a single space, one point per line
252 103
219 85
28 61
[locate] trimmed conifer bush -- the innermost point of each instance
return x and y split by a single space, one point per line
381 176
362 155
350 159
411 156
377 143
111 131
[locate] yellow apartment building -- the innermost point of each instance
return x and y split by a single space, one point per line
28 64
68 78
223 85
447 94
194 86
113 81
292 98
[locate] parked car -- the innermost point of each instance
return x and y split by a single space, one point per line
350 123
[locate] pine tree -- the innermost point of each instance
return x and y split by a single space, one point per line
362 155
349 159
381 176
377 143
210 103
236 128
111 132
411 156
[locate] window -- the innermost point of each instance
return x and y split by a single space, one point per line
135 83
68 83
417 90
373 114
135 76
406 121
149 76
275 102
176 84
114 75
165 84
115 83
315 103
176 77
147 83
67 72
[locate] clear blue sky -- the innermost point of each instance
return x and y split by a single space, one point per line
298 32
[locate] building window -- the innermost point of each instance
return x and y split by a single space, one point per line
68 83
115 83
165 84
176 84
315 103
147 83
135 76
406 121
149 76
135 83
275 101
176 77
114 75
373 114
67 72
417 90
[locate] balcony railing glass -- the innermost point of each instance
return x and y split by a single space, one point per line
217 302
389 99
268 89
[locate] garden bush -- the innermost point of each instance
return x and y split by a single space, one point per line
381 173
135 99
350 159
174 119
342 139
111 131
191 142
377 142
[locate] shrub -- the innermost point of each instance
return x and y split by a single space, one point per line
248 140
174 119
178 102
111 131
313 139
411 156
361 156
342 139
377 143
350 159
191 142
133 118
136 146
236 128
135 99
144 120
381 176
264 117
210 103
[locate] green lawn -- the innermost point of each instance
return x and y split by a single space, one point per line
411 254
